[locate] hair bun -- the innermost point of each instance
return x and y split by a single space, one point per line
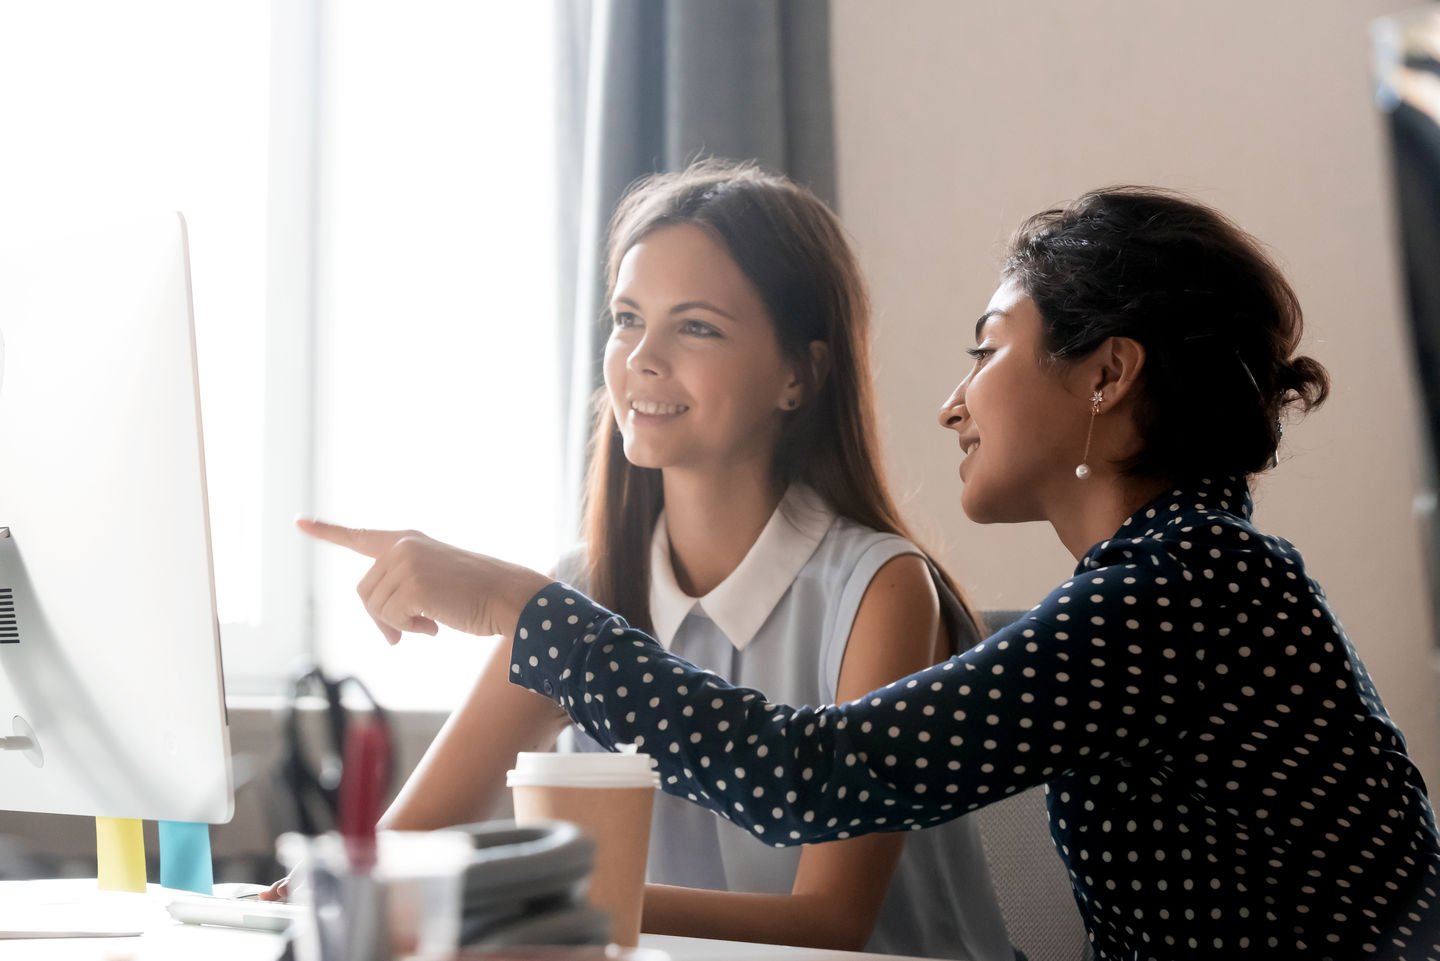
1304 382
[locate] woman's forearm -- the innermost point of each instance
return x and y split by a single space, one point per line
807 920
462 775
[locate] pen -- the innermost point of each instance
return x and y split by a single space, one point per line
364 777
363 782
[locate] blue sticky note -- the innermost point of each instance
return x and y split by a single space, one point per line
185 857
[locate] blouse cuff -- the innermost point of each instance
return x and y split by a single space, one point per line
556 623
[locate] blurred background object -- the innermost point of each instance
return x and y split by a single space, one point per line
1407 91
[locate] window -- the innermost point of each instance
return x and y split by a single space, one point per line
369 195
114 109
436 403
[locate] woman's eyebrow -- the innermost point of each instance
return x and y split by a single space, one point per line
699 305
980 324
680 308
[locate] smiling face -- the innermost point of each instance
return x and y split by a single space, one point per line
693 367
1021 423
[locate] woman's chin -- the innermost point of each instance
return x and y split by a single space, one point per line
972 502
982 518
981 508
640 454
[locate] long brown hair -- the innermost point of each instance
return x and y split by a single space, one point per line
793 250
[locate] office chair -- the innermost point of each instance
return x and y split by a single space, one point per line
1031 883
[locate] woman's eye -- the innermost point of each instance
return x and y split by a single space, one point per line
625 319
980 353
699 328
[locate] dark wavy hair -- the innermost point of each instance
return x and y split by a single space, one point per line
792 248
1219 323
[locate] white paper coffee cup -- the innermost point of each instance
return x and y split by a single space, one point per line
626 769
610 797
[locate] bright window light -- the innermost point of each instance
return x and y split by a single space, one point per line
427 183
116 109
436 403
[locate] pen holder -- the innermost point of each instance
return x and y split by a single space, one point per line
405 906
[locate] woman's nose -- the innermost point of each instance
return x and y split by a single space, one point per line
952 412
646 358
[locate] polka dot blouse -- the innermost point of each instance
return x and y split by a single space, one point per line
1222 777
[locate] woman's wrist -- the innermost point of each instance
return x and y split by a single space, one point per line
518 588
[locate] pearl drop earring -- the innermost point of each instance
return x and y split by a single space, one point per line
1083 471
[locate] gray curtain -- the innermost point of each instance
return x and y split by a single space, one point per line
649 85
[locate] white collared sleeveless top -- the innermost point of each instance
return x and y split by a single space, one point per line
780 623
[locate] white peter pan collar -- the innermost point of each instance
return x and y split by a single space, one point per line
740 604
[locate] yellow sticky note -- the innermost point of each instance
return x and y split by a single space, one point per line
120 853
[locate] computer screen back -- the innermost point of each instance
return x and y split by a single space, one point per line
111 660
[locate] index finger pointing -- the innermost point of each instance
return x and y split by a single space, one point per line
367 542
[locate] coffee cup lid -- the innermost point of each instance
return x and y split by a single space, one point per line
583 769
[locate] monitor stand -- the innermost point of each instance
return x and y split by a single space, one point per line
185 860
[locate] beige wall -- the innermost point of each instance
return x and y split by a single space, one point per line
957 119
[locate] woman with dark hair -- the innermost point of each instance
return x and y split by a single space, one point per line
736 509
1222 777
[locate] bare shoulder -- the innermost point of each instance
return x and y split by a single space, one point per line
896 630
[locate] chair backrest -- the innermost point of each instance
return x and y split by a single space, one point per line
1031 883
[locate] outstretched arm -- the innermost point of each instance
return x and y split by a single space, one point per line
1028 704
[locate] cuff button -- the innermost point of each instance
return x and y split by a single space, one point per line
548 688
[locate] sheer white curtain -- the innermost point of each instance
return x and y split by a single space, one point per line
369 189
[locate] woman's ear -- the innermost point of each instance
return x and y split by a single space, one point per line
807 376
1114 368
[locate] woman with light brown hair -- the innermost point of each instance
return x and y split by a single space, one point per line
736 508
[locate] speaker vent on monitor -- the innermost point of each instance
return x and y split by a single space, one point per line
9 631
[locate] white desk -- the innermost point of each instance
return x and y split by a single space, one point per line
703 949
37 904
52 905
77 905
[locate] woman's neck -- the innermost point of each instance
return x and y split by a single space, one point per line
1094 509
713 520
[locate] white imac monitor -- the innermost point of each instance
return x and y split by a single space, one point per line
109 641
